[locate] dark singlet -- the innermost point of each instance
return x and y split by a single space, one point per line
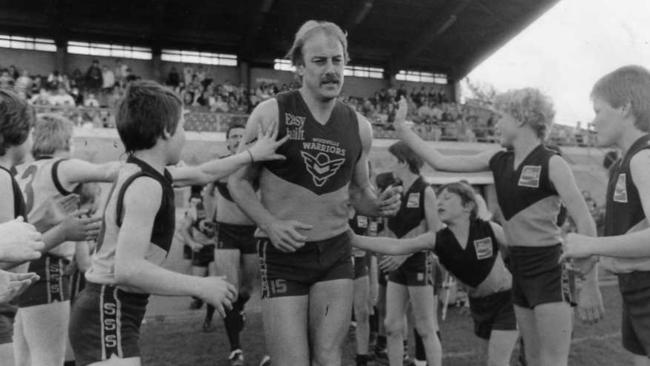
19 210
201 223
411 212
311 185
528 199
103 261
473 264
624 210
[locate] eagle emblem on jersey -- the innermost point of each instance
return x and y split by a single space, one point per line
620 191
321 167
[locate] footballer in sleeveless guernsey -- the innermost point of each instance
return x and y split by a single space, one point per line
480 267
39 181
530 206
203 231
409 221
310 186
625 214
114 330
8 310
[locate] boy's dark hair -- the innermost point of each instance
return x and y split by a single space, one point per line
466 194
405 154
16 119
147 110
232 127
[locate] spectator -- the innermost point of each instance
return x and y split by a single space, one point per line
108 78
91 101
188 74
94 77
188 98
62 98
24 83
77 79
42 98
121 71
13 72
77 96
220 105
6 81
173 78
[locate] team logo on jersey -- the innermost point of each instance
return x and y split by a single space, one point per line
362 221
295 126
413 200
530 176
620 191
483 248
321 167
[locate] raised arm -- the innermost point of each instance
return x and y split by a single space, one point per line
391 246
75 171
141 203
213 170
362 194
451 163
431 210
284 235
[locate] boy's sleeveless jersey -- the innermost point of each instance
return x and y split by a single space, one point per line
527 197
19 201
624 211
411 212
42 190
311 185
203 228
102 270
479 264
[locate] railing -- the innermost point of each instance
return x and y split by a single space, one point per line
201 121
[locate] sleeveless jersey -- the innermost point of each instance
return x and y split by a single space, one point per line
102 269
411 212
479 265
42 189
19 201
311 185
203 228
624 211
528 200
19 210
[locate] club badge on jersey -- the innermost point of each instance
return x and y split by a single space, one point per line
620 191
530 176
483 248
413 200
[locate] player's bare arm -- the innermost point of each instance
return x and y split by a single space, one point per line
262 150
141 203
395 247
452 163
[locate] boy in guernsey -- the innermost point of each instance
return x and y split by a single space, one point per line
621 101
469 248
138 227
531 182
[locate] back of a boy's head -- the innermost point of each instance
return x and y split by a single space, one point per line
146 111
16 118
52 133
628 84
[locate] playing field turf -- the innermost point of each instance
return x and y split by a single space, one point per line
179 341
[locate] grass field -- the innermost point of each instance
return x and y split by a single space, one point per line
180 342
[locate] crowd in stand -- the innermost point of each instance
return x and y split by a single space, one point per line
102 85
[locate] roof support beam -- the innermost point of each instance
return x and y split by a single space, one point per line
436 27
358 14
257 23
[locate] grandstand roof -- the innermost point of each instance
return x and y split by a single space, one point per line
446 36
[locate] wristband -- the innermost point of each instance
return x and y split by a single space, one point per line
251 155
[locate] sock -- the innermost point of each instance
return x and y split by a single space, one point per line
381 342
233 323
374 322
209 313
69 363
241 301
420 353
362 360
